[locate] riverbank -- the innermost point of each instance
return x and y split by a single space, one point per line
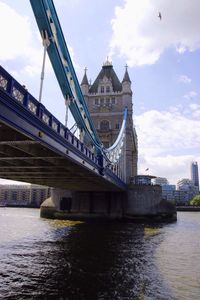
188 208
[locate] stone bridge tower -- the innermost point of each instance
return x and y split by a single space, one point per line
106 99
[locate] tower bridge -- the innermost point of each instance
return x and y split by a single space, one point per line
36 148
90 175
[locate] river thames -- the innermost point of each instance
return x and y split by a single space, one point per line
51 259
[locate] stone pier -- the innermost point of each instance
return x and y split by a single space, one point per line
65 204
139 202
145 202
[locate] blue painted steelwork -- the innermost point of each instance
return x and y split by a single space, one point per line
22 111
51 31
113 153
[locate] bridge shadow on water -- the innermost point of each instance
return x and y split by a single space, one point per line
106 260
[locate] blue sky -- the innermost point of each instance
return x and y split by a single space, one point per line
163 58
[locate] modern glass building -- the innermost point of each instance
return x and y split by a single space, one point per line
195 174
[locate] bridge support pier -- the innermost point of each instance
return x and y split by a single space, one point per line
64 204
145 202
58 200
139 202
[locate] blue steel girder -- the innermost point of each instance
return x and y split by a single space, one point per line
113 153
49 27
20 110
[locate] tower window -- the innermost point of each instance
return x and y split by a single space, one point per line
102 89
102 101
96 101
113 100
117 126
107 101
107 89
104 125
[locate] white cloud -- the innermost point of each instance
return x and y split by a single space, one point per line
191 111
140 36
13 42
22 44
18 42
166 141
195 110
190 95
172 167
184 79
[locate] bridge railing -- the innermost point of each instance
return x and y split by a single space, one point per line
21 95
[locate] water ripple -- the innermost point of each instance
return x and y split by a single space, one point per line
45 259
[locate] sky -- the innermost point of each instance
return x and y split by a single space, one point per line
163 58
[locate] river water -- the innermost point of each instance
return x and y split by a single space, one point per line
51 259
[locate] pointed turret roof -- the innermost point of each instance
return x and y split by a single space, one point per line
85 79
126 75
107 71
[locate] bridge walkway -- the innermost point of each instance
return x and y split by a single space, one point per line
36 148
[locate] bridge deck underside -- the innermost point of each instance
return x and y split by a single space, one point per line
27 160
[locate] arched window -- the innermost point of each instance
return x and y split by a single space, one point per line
102 89
104 125
107 89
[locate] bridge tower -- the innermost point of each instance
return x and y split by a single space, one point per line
106 99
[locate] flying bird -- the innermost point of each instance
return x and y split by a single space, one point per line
159 15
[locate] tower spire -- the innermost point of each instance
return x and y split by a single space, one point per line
126 75
107 62
85 79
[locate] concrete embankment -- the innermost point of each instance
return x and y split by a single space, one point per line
188 208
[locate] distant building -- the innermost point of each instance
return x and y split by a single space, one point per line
186 191
167 189
160 181
185 184
168 192
182 197
23 195
195 174
142 179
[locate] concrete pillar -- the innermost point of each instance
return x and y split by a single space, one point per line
145 201
58 200
139 202
64 204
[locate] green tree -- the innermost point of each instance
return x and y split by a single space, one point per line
195 200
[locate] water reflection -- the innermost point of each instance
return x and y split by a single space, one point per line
178 256
63 260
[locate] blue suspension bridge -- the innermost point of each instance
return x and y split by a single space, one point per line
37 148
87 178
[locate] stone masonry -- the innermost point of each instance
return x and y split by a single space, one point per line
107 98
